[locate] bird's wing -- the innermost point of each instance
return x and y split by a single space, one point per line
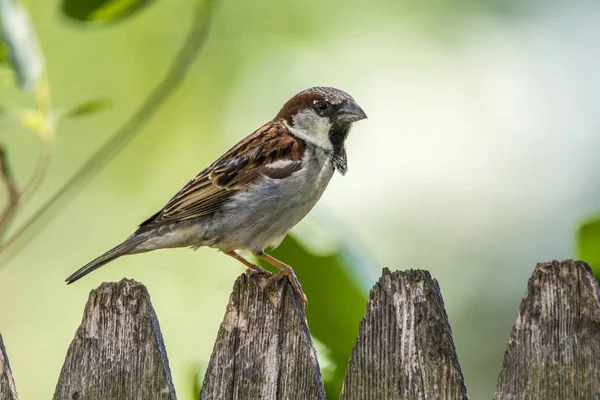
270 151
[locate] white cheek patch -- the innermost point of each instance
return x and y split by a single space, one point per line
312 128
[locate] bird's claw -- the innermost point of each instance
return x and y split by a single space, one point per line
291 276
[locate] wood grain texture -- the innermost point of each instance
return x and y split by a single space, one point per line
263 348
8 391
404 348
118 350
554 349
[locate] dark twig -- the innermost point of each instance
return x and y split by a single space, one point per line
13 192
179 68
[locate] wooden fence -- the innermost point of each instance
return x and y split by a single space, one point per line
404 349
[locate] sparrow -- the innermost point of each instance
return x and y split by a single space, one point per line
251 196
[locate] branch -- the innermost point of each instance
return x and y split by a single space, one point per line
177 72
47 132
14 195
44 126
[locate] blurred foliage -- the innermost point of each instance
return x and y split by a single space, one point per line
588 244
20 42
196 373
102 11
336 303
26 61
44 119
33 120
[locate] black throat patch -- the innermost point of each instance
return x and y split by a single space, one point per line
337 136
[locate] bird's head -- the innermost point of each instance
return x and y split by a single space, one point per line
321 116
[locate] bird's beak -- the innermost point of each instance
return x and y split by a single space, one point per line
350 112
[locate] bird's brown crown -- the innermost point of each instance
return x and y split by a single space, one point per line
308 98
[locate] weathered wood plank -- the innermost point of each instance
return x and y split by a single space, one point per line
404 348
263 348
8 391
553 351
118 350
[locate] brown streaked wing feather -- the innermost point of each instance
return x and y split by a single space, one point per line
232 173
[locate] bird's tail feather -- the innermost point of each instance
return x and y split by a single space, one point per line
121 250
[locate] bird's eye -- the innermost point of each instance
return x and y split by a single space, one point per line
322 105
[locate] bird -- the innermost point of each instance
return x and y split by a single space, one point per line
250 197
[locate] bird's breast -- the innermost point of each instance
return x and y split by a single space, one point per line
262 215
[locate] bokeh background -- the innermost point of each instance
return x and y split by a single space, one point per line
479 159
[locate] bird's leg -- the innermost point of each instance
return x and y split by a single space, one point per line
251 267
284 271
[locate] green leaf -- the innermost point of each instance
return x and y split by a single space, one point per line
20 44
2 53
88 108
336 289
102 11
588 244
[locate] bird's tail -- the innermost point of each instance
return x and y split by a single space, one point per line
124 248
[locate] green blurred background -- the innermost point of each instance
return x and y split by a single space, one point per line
479 159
